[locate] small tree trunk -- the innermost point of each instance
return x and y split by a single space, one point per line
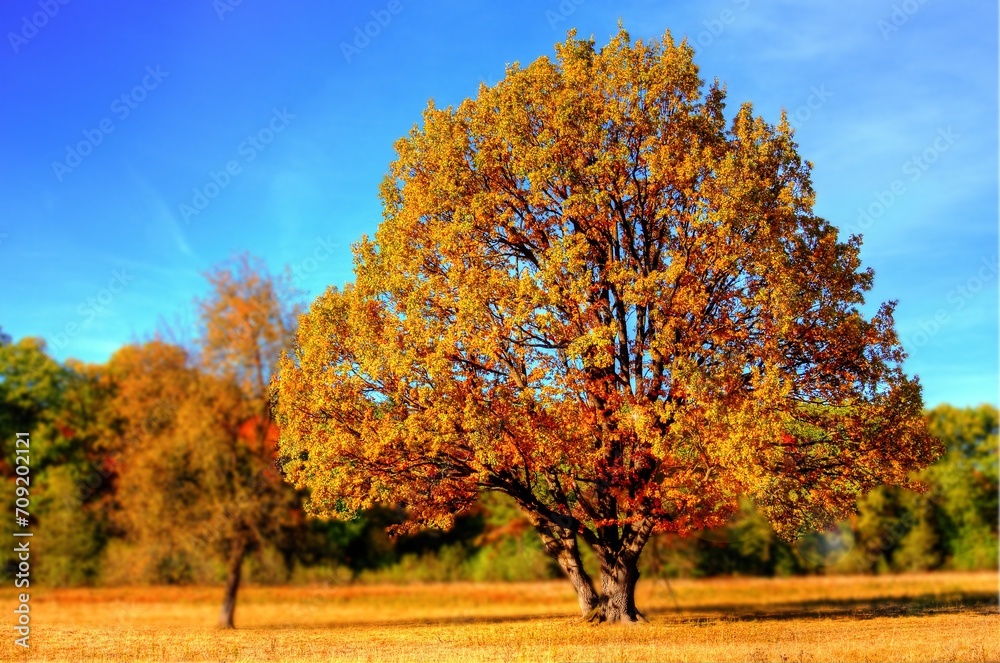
619 575
232 585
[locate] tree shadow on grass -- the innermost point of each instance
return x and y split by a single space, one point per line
426 621
924 605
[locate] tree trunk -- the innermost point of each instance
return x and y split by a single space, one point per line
619 575
562 546
232 585
619 570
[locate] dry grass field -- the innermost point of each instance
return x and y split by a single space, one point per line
932 617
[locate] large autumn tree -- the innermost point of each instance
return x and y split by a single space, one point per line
594 293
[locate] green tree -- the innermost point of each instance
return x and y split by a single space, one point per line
75 480
31 385
31 391
964 486
62 409
951 519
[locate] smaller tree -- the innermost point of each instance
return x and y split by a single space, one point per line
248 319
198 470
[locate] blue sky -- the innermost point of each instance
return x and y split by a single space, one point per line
119 115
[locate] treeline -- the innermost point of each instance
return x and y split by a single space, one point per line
159 467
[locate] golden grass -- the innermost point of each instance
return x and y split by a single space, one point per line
927 617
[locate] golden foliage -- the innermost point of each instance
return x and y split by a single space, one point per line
593 293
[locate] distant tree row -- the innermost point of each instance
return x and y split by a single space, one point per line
157 467
952 524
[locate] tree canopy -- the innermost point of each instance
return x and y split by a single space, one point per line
594 293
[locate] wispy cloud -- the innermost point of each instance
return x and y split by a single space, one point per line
160 220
